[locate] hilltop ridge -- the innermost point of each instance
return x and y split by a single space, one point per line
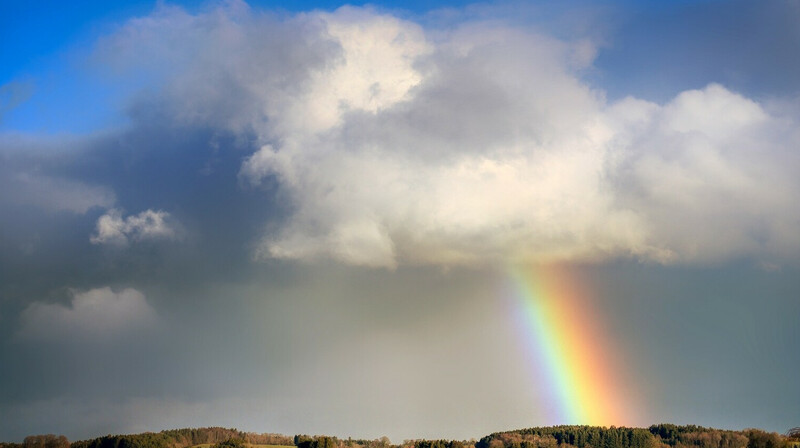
563 436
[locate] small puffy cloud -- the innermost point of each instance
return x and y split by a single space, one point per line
94 315
112 228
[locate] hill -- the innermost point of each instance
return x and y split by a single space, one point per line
568 436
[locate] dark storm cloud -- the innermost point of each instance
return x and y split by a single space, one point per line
190 173
61 193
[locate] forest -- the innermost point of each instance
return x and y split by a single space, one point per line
567 436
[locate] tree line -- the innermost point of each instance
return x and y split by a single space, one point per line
656 436
174 438
565 436
40 441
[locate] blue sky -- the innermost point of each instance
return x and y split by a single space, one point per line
295 188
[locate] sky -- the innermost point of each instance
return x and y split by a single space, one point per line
405 219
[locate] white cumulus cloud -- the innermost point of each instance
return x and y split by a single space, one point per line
480 143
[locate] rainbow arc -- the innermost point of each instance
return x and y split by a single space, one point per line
572 352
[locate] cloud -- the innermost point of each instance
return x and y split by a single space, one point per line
94 315
481 143
30 176
113 229
501 152
710 173
53 193
28 180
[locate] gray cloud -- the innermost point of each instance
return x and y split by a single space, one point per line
25 180
93 316
55 194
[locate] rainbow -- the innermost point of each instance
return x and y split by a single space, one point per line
570 349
